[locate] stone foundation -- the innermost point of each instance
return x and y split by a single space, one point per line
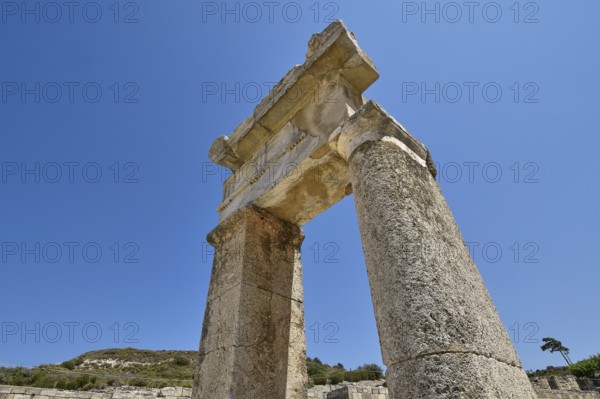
565 387
556 394
13 392
354 391
359 392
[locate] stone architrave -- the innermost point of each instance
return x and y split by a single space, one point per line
311 142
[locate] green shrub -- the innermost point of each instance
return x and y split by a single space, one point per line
138 382
69 365
374 369
587 367
19 376
320 380
42 380
337 378
315 367
88 386
181 361
359 375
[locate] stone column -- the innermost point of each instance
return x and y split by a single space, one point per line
253 344
440 333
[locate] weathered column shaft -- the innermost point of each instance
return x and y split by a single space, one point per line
253 344
440 333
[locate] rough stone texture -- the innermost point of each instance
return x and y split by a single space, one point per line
366 387
295 157
280 157
439 331
321 391
253 343
14 392
458 375
332 53
567 383
541 383
550 394
587 384
359 392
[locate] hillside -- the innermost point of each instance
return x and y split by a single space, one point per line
147 368
109 367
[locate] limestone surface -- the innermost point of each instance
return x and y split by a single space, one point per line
253 343
431 305
311 142
280 157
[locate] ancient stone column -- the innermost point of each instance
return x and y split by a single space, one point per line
253 344
440 334
283 175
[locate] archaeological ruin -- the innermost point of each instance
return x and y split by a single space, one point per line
439 331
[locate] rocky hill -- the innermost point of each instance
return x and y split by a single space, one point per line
109 367
148 368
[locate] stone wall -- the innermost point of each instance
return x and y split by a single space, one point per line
11 392
552 388
321 391
359 392
565 383
565 387
559 394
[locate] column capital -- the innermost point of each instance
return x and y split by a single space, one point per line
373 123
261 219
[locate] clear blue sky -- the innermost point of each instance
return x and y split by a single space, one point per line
519 169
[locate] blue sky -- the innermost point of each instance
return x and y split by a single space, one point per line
107 193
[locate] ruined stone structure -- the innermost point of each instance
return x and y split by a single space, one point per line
349 389
552 388
311 142
18 392
360 390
